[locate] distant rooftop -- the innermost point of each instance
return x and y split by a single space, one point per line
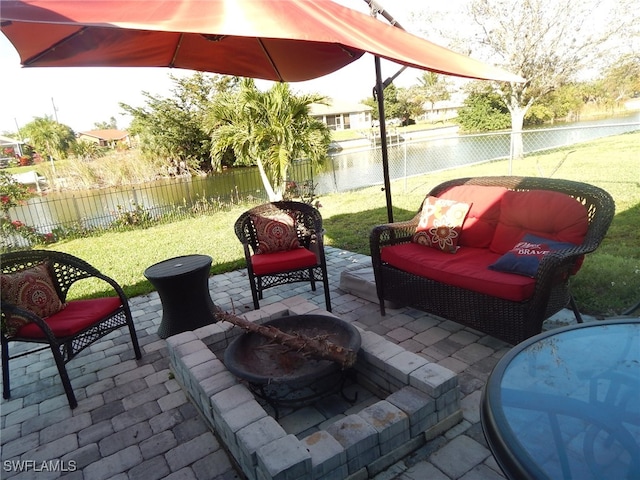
106 134
9 141
336 107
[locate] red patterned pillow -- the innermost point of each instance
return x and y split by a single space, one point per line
31 289
276 233
440 223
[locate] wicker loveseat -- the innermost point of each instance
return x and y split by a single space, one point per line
463 286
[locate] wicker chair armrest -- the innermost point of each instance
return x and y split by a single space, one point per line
392 234
566 257
88 271
65 269
114 284
389 234
557 266
11 309
317 238
316 244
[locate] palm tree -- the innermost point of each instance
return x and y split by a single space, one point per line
268 129
48 136
434 87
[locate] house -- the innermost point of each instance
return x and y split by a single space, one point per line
106 138
340 115
10 149
443 110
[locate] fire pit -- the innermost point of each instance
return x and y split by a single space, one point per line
286 377
265 447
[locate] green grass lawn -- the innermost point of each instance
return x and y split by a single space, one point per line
608 283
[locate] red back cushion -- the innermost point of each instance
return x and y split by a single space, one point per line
479 227
543 213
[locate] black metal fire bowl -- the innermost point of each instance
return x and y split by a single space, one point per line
260 361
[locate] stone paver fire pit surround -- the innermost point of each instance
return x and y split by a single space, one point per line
418 401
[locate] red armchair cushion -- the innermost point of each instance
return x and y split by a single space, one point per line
279 262
481 221
76 316
31 289
440 223
275 233
552 215
466 269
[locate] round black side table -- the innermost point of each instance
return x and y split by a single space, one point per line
182 284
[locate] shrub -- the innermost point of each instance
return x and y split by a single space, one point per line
138 216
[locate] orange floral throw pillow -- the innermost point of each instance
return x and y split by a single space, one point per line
440 223
276 233
31 289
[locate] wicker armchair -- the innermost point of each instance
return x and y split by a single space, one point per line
71 329
267 270
507 320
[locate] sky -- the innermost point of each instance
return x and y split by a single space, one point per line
81 97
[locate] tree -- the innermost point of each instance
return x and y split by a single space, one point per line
392 106
112 124
12 194
622 80
564 102
172 129
433 87
548 42
268 129
402 103
48 136
410 103
483 110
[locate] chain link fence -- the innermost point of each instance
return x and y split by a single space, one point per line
73 214
420 153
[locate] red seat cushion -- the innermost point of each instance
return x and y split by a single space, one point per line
466 269
278 262
75 317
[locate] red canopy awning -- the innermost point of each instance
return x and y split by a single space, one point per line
282 40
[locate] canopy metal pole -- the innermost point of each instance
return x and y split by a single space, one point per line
378 93
375 7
